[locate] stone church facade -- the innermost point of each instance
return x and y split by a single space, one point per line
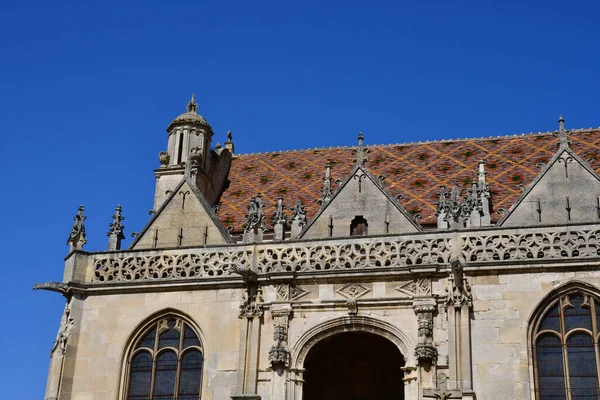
457 269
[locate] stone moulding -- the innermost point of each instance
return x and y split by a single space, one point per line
474 248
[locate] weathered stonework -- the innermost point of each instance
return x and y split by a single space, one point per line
458 303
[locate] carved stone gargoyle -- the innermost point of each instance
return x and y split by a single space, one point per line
57 287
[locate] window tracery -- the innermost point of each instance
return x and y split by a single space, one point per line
166 362
565 348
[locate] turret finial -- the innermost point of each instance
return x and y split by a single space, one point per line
77 237
192 106
115 233
360 151
562 133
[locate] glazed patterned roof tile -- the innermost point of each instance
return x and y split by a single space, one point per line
414 171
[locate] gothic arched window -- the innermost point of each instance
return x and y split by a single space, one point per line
166 362
565 348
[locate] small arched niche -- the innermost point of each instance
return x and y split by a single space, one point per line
359 226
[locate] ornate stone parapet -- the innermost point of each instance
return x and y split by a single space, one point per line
424 309
490 248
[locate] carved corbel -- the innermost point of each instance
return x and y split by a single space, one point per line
352 307
279 353
251 305
425 350
458 291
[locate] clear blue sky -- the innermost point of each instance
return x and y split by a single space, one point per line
88 88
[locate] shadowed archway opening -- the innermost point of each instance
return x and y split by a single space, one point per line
354 366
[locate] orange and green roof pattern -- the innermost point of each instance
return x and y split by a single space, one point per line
414 170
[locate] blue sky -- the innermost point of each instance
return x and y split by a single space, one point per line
87 89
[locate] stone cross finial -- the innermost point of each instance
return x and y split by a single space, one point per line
76 239
192 106
115 233
562 133
360 151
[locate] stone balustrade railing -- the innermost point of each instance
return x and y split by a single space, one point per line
489 247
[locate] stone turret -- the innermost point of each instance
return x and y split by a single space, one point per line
189 153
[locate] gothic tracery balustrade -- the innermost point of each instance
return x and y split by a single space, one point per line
484 247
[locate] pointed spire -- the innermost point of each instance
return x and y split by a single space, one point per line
192 106
481 173
77 237
115 233
360 151
562 133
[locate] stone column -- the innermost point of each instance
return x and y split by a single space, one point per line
458 305
251 313
279 355
425 351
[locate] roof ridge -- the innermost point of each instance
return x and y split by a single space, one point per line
421 142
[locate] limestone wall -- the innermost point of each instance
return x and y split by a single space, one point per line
93 360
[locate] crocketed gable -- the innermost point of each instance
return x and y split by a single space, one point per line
413 170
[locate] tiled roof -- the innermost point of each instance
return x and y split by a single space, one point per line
415 171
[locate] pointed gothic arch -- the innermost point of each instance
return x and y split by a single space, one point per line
164 358
563 339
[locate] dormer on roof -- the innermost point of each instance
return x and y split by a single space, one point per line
360 206
566 192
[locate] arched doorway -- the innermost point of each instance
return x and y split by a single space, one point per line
353 366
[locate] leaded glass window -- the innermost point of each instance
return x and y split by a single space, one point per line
166 362
565 349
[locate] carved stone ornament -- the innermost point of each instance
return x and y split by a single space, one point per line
64 331
352 307
246 273
58 287
115 232
353 290
77 239
458 291
164 158
360 151
279 353
417 287
255 223
251 305
327 190
456 211
287 292
279 218
424 309
299 213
